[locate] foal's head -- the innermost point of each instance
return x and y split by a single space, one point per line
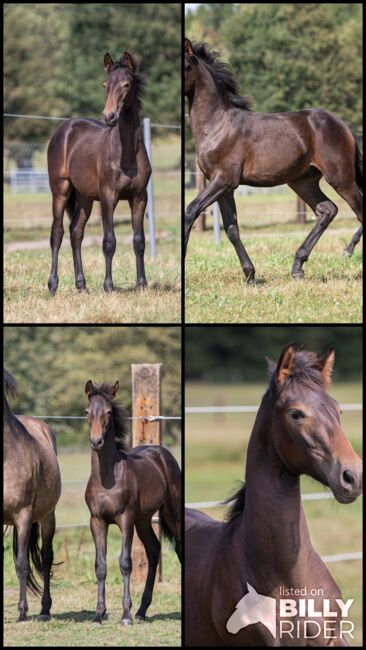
101 412
306 428
123 86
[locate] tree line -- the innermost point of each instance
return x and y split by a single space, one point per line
289 56
237 353
53 364
54 55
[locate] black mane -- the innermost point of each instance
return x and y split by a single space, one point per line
222 75
236 504
119 415
138 80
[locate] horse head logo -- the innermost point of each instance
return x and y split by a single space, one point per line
253 608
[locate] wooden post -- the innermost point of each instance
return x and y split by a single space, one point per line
200 223
300 210
146 401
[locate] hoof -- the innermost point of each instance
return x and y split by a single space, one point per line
298 276
139 618
346 253
22 618
250 281
97 619
141 286
82 290
108 288
52 289
44 617
126 621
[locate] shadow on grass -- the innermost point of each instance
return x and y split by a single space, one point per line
172 616
84 615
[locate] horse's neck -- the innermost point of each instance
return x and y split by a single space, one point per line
205 106
273 523
104 461
11 431
128 127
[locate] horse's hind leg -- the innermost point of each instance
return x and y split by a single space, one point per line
48 530
351 246
307 187
228 211
354 199
77 227
152 548
59 202
138 207
21 541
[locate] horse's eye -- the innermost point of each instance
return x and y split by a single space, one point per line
86 412
295 414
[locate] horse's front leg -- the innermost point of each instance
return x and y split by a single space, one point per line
99 531
216 188
125 524
138 207
109 240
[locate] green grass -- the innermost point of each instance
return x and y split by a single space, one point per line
215 452
27 299
75 591
330 292
28 222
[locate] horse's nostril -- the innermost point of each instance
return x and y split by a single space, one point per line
349 479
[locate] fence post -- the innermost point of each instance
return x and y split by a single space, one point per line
216 223
300 210
150 193
146 401
200 223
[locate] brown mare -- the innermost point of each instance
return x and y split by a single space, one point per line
126 488
238 146
264 546
32 488
91 161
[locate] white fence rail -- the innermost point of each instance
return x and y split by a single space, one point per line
34 180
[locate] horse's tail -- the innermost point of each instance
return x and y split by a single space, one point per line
167 533
358 165
34 558
72 205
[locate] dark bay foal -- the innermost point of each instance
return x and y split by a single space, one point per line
236 145
127 488
237 571
90 161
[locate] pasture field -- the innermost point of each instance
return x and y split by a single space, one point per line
215 452
75 591
27 258
330 292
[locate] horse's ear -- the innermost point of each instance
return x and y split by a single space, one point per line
326 363
115 389
285 362
129 59
89 388
188 47
108 62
